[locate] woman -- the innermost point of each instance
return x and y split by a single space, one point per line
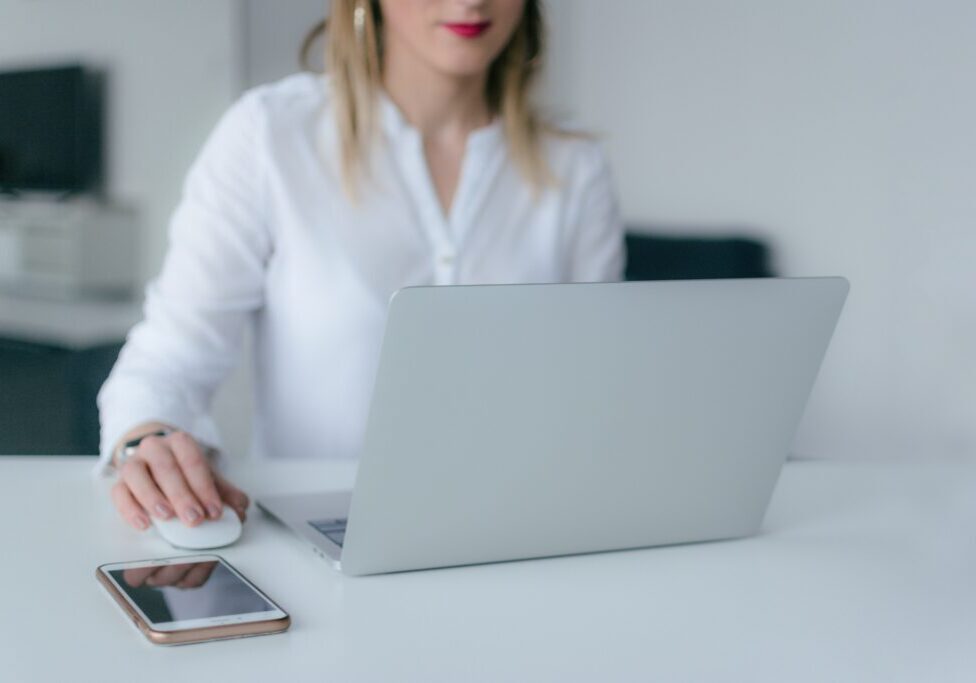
417 159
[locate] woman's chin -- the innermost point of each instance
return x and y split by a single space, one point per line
463 66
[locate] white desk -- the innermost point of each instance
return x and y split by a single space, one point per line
865 572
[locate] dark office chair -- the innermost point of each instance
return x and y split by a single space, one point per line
655 256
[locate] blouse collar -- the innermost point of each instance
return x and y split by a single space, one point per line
396 126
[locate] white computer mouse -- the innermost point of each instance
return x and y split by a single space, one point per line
212 533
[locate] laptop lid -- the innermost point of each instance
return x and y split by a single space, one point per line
518 421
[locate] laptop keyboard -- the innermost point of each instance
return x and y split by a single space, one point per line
332 529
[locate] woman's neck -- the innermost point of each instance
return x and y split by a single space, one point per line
434 103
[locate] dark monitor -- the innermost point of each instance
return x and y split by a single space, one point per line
51 130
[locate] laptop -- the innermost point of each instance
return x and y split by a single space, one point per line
524 421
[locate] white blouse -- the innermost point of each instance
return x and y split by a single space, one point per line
265 237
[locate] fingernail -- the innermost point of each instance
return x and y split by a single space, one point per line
214 510
142 523
193 514
163 510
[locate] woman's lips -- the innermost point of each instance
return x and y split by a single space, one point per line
468 30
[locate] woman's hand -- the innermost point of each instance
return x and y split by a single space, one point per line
171 475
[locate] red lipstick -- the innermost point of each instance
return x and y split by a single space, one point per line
469 29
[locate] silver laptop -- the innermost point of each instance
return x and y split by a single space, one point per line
523 421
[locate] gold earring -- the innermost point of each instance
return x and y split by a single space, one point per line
359 22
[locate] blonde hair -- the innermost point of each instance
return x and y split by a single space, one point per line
353 57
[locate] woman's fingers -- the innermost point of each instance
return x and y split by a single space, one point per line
171 475
135 475
198 575
137 577
128 507
190 575
199 475
233 496
168 475
170 575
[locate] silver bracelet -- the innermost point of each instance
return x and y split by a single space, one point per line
129 448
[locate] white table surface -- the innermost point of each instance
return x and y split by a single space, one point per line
864 572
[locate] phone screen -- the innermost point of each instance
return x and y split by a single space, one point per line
189 591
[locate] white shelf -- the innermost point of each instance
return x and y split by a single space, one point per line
72 249
70 324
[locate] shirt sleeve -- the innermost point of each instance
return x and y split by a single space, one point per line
211 283
597 250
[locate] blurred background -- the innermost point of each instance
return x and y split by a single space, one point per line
747 138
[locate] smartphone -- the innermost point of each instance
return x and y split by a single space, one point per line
191 599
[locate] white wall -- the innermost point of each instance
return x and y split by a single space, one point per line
273 33
841 129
